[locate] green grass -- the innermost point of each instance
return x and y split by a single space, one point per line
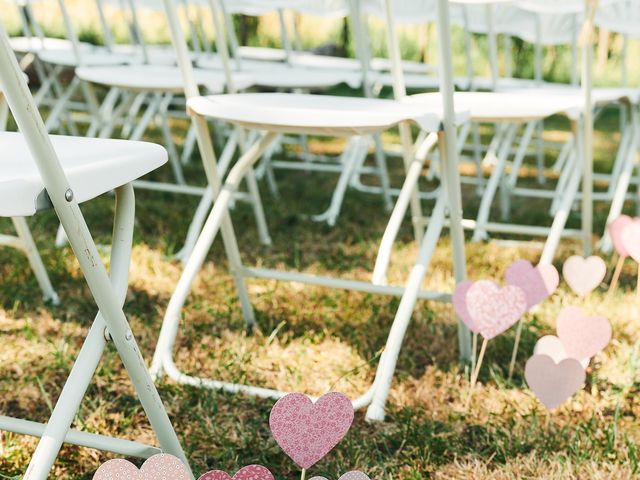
313 340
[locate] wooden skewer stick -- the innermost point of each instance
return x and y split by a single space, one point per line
616 275
474 351
516 343
474 376
303 474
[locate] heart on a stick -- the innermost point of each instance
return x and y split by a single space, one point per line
537 283
250 472
495 309
630 238
552 346
355 475
582 336
615 230
584 274
158 467
460 304
305 431
553 383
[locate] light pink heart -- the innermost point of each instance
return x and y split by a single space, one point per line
250 472
305 431
495 309
537 283
552 346
553 383
615 230
355 475
583 275
460 304
158 467
630 238
582 336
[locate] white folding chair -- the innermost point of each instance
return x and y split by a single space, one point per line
325 115
623 18
156 90
37 172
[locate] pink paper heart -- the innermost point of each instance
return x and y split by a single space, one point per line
615 230
630 237
460 304
552 346
355 475
536 282
582 336
305 431
584 274
495 309
158 467
250 472
553 383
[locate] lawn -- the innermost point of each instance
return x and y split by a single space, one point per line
314 340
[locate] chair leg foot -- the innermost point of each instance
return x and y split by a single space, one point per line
375 413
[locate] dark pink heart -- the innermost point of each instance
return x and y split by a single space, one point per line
250 472
305 431
537 283
582 336
460 304
615 230
495 309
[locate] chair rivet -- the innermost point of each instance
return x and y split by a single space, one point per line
68 195
128 335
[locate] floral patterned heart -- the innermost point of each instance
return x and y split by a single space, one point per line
495 309
305 431
250 472
355 475
158 467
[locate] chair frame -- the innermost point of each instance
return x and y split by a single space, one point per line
218 220
108 290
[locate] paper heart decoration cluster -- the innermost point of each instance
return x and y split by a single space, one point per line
557 368
583 275
307 431
538 283
488 309
250 472
625 234
355 475
168 467
158 467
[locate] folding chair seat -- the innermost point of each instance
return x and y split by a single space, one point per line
92 166
38 172
23 45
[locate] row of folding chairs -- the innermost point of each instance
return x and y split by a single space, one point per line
256 122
